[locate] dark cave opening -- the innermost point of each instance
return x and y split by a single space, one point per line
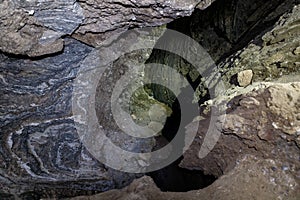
222 30
44 158
172 177
176 179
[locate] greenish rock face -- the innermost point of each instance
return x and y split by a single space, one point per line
144 109
222 30
275 56
270 55
185 73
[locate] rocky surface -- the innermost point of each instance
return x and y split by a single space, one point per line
252 178
255 158
244 78
263 121
270 55
256 47
257 155
224 29
35 28
119 15
227 26
41 153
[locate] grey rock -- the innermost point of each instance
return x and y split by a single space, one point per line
222 29
270 55
41 153
125 13
60 16
35 28
119 15
225 27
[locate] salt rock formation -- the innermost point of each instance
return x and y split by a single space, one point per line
45 43
35 28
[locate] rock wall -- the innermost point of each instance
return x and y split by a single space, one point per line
254 43
257 154
35 28
41 152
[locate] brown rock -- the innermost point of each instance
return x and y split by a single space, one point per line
25 31
252 178
34 28
261 122
120 15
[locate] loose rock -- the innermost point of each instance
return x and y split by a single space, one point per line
244 78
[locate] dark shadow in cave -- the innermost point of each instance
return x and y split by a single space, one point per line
232 22
174 178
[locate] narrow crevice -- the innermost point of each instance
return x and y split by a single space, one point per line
172 177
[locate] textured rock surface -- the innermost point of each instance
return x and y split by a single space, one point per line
41 154
120 15
227 26
252 178
34 28
261 122
244 78
270 55
257 158
262 119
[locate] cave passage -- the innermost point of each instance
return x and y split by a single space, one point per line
222 30
174 178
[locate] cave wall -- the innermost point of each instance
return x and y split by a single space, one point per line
35 28
44 43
